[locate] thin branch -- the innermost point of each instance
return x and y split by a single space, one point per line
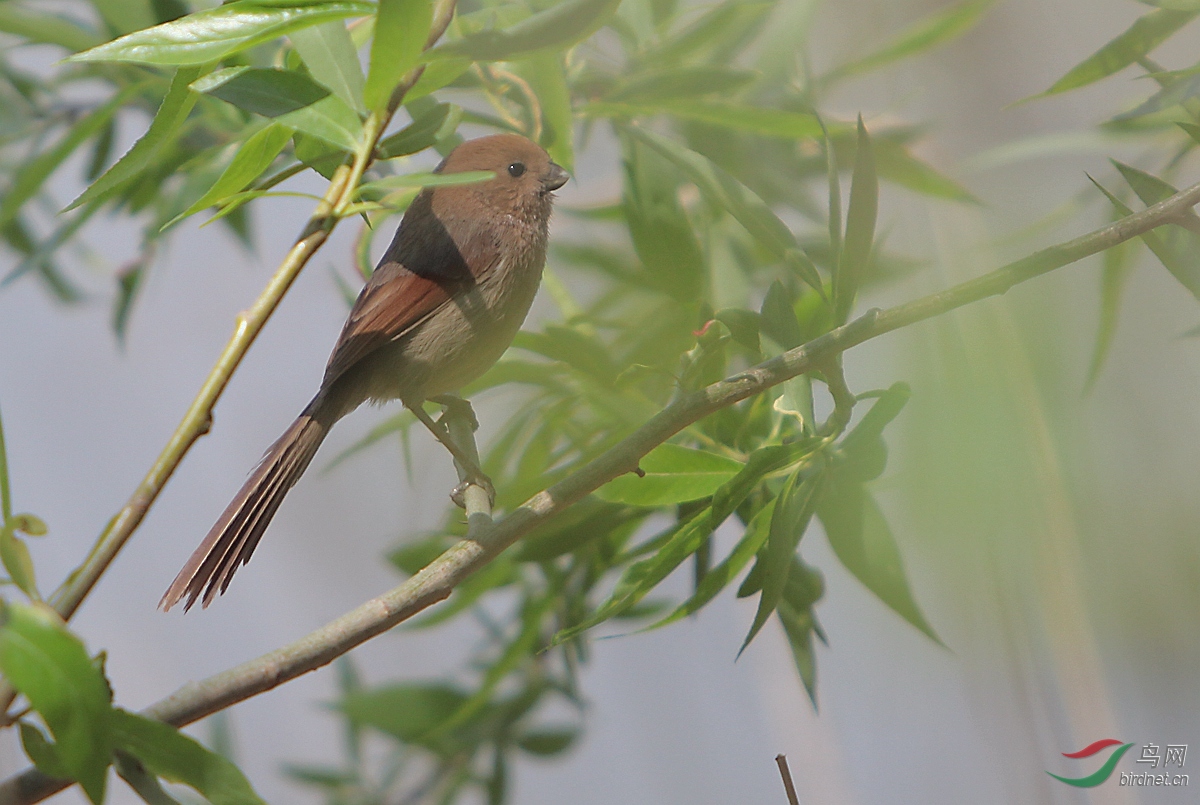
786 774
438 579
198 418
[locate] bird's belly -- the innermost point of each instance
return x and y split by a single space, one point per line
456 344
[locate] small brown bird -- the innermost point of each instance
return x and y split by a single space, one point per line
442 306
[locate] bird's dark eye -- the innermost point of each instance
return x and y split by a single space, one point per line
516 169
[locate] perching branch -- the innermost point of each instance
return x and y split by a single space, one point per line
198 418
437 580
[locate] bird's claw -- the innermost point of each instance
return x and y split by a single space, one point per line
459 493
456 407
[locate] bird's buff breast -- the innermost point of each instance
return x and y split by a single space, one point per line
462 339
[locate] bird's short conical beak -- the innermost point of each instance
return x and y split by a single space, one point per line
554 178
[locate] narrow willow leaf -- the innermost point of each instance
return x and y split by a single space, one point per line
32 175
174 109
251 159
129 282
144 784
558 27
264 91
1149 188
717 578
173 756
739 117
123 16
547 742
437 74
1181 245
1147 33
42 752
546 75
799 627
1187 272
708 29
895 164
860 226
401 28
1173 93
1118 265
778 317
14 554
407 712
673 474
834 183
680 82
212 34
47 664
428 127
793 510
864 544
331 58
924 35
1177 5
737 199
45 28
427 180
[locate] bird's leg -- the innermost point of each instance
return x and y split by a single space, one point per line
456 407
468 464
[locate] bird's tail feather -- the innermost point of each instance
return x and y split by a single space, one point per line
236 533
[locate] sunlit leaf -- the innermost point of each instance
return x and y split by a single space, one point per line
673 474
401 28
47 664
42 752
331 58
174 109
173 756
212 34
254 157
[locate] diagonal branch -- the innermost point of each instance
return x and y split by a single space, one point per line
437 580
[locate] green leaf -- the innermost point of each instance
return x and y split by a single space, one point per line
174 109
1178 5
546 75
1118 265
924 35
679 82
799 627
897 165
789 520
254 157
738 200
716 579
129 282
428 127
331 58
863 543
32 175
264 91
548 741
860 226
123 16
1149 188
144 784
45 28
778 317
739 117
47 664
401 28
173 756
673 474
427 180
212 34
437 74
555 29
1147 33
1176 248
42 752
407 712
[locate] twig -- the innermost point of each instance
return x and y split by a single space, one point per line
786 774
196 422
438 579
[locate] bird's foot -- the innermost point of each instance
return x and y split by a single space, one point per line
456 408
475 477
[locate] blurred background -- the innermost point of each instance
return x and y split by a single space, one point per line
1049 532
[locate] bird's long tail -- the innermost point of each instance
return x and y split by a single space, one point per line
236 533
